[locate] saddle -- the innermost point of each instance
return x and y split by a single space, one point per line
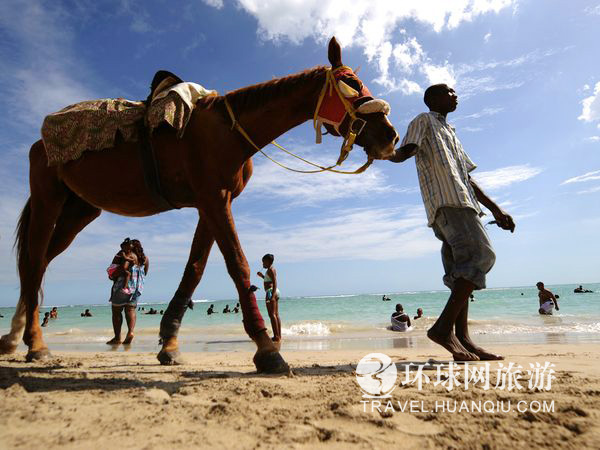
163 79
94 125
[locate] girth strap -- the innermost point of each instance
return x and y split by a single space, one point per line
150 168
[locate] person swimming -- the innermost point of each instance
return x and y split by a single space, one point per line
400 320
419 314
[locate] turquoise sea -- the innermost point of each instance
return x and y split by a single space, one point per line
500 315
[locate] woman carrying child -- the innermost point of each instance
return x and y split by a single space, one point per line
128 269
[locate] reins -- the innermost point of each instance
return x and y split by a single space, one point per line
346 145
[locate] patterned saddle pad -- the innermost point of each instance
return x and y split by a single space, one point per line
93 124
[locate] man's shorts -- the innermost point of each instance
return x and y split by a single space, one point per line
466 249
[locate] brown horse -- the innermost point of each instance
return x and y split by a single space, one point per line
206 170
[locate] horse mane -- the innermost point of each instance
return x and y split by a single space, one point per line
256 94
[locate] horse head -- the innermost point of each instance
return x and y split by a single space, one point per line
347 108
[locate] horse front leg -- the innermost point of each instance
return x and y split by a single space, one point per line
171 321
267 358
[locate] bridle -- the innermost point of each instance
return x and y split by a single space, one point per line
329 110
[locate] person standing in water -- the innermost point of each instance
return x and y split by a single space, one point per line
271 294
547 300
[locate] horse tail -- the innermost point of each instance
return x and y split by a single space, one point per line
22 243
22 237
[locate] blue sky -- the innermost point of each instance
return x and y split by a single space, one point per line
528 80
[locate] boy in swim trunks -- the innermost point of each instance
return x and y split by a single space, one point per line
271 294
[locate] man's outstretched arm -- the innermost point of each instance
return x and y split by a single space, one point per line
503 220
403 153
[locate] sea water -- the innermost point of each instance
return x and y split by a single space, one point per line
497 315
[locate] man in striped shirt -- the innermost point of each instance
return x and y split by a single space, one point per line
451 199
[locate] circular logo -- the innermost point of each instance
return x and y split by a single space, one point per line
376 375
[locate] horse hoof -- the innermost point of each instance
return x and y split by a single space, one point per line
172 358
270 362
37 355
6 348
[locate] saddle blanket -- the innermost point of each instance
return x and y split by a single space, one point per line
93 124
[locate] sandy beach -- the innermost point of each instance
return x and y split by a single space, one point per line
126 400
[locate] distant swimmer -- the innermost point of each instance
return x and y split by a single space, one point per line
419 314
400 320
237 308
46 318
87 313
547 300
385 298
226 309
210 310
581 290
472 297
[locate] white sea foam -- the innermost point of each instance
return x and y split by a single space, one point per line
307 329
529 329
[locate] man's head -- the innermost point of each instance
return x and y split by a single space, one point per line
440 98
399 308
540 285
419 311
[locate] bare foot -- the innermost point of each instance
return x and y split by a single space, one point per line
453 345
483 354
128 339
114 341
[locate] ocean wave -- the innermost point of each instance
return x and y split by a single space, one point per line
542 329
332 296
307 329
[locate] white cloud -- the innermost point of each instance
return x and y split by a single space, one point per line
593 139
591 106
214 3
487 37
372 25
589 176
483 113
505 176
592 10
33 85
350 234
270 180
590 191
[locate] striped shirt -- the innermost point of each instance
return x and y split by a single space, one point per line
442 165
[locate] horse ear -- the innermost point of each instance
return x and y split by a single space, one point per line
334 53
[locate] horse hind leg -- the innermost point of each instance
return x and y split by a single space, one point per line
171 320
76 214
48 195
9 341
